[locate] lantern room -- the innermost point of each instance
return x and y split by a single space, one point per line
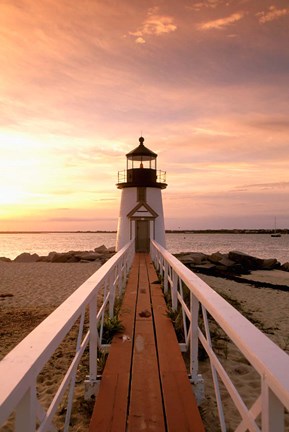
141 169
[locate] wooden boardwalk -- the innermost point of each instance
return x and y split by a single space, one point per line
144 385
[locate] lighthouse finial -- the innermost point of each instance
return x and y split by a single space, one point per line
141 139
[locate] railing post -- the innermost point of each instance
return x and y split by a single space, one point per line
160 262
112 281
152 252
25 411
166 278
194 306
174 289
72 382
125 272
272 410
93 340
214 373
196 379
120 277
90 384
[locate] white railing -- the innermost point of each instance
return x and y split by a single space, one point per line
271 363
20 368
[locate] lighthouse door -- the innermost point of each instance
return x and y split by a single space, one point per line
142 240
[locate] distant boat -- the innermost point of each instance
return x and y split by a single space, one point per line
275 233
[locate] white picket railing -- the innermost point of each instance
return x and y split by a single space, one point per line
271 363
21 366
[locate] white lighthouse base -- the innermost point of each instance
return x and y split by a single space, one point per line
132 211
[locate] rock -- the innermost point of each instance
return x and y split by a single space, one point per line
229 265
50 256
4 259
88 256
285 267
221 260
65 257
206 266
101 254
215 257
27 257
198 257
270 264
186 259
145 313
195 258
253 263
43 258
247 261
226 262
101 249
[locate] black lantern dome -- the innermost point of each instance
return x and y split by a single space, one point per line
141 153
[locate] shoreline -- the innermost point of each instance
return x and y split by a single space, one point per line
167 231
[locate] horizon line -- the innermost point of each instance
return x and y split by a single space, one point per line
206 230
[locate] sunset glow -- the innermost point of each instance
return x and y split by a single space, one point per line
205 82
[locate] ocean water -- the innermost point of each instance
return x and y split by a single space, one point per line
259 245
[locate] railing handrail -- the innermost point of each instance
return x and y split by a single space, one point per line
26 360
270 361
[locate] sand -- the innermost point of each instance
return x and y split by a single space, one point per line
267 309
30 291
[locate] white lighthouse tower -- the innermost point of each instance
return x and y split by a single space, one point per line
141 209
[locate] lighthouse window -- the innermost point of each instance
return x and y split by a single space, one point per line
141 194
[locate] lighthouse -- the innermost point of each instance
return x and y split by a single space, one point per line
141 215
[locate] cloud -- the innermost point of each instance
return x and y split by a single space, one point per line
275 123
208 4
140 40
266 186
155 24
212 132
272 14
221 22
80 219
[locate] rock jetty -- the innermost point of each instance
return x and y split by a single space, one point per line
217 264
232 263
100 253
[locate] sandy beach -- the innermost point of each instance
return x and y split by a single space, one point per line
30 291
267 309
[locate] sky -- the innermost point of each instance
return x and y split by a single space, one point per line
206 83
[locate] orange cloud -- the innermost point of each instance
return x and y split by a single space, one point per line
209 4
154 24
272 14
222 22
140 40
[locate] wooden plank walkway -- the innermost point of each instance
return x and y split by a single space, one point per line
144 385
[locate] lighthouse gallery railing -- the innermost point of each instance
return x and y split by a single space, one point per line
271 363
160 176
20 368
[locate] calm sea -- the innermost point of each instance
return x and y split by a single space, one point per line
260 245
